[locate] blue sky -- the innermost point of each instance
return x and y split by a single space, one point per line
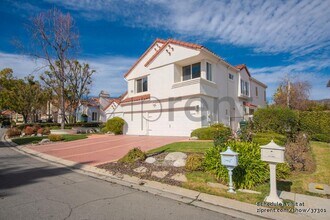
272 37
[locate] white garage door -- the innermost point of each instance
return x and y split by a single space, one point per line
160 125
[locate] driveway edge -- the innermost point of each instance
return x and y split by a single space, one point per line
214 203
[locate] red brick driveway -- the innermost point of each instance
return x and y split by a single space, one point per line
99 149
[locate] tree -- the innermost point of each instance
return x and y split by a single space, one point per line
77 85
55 40
292 94
24 96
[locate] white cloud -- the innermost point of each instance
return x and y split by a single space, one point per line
307 70
108 76
297 27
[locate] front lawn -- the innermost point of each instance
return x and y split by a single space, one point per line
35 139
321 153
187 147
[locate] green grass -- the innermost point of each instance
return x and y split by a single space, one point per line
187 147
29 140
321 153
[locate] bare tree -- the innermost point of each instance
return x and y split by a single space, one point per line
55 39
79 81
293 94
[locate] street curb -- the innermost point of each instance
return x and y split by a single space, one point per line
214 203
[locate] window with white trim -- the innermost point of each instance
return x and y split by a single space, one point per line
142 85
208 71
245 87
191 71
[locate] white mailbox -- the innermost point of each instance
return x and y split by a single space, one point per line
272 153
229 158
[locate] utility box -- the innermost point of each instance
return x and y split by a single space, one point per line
272 153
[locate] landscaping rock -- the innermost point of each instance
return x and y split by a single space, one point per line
159 174
179 177
140 169
193 138
32 135
39 135
179 163
22 135
150 160
175 156
45 140
217 185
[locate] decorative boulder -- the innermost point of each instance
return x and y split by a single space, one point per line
45 140
150 160
179 163
175 156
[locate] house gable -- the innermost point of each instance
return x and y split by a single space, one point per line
173 51
138 67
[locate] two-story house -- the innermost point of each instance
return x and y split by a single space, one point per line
176 87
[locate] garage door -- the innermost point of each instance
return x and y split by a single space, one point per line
160 125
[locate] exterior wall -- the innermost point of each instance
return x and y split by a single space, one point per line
193 103
260 99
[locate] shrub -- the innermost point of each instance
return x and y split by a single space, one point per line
35 128
250 172
298 154
115 125
12 132
28 130
321 137
216 131
315 122
40 131
265 138
136 154
275 119
46 131
55 137
194 162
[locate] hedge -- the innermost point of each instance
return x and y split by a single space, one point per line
279 120
315 122
275 119
212 132
54 125
115 125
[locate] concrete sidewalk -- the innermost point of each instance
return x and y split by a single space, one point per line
312 205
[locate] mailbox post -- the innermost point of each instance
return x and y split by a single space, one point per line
229 159
272 154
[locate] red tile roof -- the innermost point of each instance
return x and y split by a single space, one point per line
144 54
136 98
177 42
243 66
248 104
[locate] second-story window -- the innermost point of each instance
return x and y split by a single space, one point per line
256 91
208 71
191 71
142 85
231 76
245 87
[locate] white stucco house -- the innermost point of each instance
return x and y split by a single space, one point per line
176 87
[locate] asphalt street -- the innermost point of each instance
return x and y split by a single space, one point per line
32 189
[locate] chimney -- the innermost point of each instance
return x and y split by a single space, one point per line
104 94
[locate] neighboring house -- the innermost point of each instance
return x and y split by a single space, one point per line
13 116
176 87
97 109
